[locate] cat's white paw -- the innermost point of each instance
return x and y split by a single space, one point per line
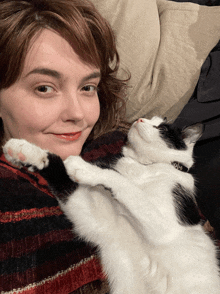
22 153
81 171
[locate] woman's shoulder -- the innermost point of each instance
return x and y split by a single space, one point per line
23 194
36 237
105 147
15 180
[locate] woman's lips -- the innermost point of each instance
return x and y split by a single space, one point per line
69 136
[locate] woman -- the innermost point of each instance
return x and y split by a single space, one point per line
58 89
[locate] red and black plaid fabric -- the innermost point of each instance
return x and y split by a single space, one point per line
38 251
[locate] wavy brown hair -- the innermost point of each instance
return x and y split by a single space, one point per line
89 34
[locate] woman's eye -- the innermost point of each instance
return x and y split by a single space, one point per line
90 88
44 89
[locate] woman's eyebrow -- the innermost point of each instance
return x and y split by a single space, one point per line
94 75
57 75
45 71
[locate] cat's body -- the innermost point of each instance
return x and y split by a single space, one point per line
141 212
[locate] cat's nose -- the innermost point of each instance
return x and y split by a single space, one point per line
140 120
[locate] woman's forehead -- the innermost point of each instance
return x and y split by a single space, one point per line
50 53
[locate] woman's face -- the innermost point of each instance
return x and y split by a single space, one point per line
54 103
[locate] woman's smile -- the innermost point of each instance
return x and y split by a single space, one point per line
69 136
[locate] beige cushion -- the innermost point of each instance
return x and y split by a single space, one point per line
163 44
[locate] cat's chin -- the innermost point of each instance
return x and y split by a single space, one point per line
136 139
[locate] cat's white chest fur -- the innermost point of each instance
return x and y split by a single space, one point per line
134 171
161 175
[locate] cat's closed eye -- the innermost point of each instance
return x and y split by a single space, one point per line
161 128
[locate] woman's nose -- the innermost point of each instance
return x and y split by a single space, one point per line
73 108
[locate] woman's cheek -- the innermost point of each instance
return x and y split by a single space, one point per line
94 112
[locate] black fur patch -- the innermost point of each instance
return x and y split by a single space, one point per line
59 182
109 161
172 136
186 207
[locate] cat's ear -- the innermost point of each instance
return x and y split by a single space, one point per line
192 133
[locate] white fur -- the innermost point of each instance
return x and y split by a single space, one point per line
143 247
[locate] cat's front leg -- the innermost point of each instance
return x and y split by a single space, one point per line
92 175
121 188
84 172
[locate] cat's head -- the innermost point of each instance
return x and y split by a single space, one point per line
155 140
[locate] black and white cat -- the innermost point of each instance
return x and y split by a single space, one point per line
141 211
